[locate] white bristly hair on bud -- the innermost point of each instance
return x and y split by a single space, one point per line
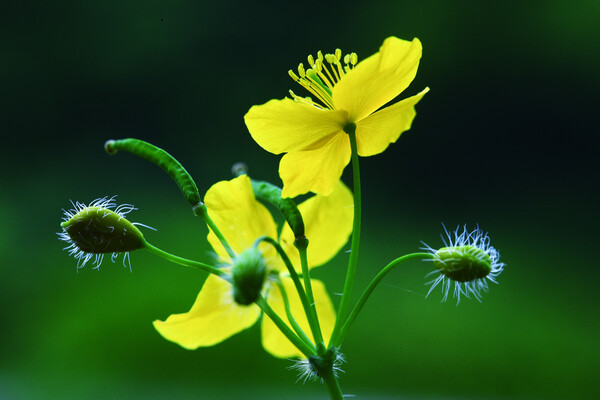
468 260
100 228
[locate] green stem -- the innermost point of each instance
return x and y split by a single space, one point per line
333 386
284 328
350 129
365 296
184 261
314 327
201 211
309 293
290 316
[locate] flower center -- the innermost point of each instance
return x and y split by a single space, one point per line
321 77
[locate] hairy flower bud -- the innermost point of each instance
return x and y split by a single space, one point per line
249 272
95 230
468 260
463 263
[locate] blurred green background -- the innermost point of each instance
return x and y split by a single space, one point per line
507 138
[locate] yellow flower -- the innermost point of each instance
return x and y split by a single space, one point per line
311 132
215 315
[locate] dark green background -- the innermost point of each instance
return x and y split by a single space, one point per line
506 138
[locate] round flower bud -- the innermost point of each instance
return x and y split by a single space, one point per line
463 263
467 262
249 272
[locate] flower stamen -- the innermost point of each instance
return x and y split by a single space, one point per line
314 87
327 81
329 78
305 100
320 79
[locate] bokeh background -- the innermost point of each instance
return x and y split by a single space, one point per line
507 138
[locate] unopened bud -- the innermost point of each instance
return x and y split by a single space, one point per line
467 262
249 272
463 263
96 230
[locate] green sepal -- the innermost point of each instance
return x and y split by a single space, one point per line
164 160
271 194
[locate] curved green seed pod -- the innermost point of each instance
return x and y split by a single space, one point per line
161 158
270 193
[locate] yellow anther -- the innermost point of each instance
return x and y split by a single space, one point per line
301 70
293 75
319 78
318 65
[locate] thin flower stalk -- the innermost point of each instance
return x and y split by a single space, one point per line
353 260
365 296
309 311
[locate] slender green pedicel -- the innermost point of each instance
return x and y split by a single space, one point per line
271 194
161 158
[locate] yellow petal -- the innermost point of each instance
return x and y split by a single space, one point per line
214 317
281 126
378 79
377 131
273 340
238 215
328 224
315 170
